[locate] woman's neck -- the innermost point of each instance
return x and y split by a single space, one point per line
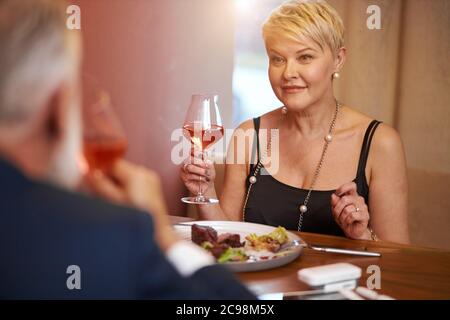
314 120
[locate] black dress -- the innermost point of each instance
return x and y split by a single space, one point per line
274 203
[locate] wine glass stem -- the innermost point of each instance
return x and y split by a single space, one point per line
200 194
200 191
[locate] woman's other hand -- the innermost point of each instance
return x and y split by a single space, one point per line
351 212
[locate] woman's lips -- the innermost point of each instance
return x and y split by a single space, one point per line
293 89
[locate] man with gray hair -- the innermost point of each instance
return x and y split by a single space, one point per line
55 243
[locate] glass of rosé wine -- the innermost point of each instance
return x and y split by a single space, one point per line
203 127
104 139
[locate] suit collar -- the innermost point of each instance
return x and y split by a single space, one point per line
10 175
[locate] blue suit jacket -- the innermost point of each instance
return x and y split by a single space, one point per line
44 230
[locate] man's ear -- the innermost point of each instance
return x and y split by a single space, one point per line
56 124
340 59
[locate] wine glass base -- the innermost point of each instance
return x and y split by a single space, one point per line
198 200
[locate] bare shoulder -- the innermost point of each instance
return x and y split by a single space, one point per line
247 124
271 119
240 146
386 142
385 139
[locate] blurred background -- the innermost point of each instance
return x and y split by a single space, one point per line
152 55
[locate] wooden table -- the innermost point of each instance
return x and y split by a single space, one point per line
407 272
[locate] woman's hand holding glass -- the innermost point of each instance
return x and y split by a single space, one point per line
203 128
195 171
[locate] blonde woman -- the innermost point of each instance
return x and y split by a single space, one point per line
340 172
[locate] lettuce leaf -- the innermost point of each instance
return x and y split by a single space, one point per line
232 254
279 234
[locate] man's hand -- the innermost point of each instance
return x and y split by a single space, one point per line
133 185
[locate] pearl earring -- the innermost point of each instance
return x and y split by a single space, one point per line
284 110
336 75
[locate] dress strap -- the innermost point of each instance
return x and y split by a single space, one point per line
255 147
366 147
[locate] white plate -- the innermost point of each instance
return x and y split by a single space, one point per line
243 229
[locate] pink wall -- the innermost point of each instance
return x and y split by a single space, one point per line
152 55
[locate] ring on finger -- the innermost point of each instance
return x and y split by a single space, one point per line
357 209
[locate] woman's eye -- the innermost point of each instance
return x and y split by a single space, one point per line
277 60
305 58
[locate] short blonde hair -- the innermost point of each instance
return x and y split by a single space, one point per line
314 19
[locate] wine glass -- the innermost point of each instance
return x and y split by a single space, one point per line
203 127
104 139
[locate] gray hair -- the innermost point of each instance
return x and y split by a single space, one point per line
35 55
